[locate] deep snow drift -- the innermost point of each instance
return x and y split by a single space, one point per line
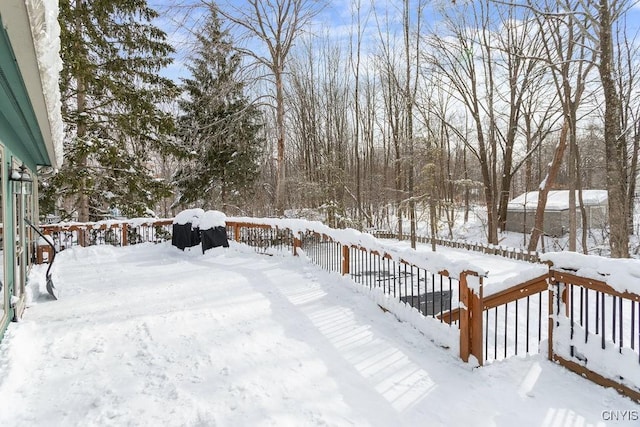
150 335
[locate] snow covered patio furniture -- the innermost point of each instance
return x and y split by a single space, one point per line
186 228
213 231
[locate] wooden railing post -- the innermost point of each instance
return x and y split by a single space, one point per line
465 342
236 232
125 234
297 243
345 260
476 322
471 309
552 320
82 237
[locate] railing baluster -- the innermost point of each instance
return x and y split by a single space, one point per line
380 276
581 306
495 334
413 301
613 319
621 324
603 322
597 312
571 307
395 277
505 330
405 282
389 276
370 268
441 309
451 301
516 334
540 317
433 291
633 325
586 316
486 335
527 327
419 296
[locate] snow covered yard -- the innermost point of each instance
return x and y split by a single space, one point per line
150 335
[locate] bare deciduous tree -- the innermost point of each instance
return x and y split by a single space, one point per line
565 52
276 24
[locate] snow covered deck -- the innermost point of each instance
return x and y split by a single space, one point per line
150 335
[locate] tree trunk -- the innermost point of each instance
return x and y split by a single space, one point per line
81 130
280 163
572 189
466 187
538 228
613 139
583 211
632 174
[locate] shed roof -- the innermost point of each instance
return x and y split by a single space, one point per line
557 200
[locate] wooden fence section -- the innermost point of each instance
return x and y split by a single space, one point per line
429 292
513 321
595 331
503 251
572 313
516 319
117 233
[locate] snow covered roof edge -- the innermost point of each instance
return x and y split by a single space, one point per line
45 29
557 200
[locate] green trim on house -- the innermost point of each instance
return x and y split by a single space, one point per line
7 207
19 128
21 142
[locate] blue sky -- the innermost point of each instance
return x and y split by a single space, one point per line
334 20
177 16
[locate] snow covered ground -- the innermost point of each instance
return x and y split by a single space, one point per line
150 335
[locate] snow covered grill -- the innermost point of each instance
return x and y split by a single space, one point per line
195 227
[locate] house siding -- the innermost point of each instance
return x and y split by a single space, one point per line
21 143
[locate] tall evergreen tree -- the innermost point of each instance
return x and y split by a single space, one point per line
219 127
111 92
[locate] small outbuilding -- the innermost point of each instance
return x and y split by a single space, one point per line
521 211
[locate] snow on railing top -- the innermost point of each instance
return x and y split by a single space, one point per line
350 237
108 223
623 275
